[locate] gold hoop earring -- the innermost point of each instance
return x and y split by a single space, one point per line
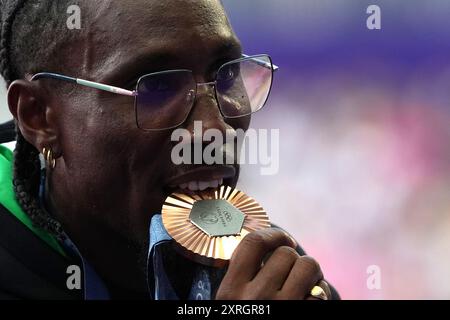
48 156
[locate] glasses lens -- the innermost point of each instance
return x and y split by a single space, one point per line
244 86
164 99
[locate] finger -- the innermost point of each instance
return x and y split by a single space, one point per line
247 258
287 234
276 270
326 288
303 277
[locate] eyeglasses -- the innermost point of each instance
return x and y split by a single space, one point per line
164 100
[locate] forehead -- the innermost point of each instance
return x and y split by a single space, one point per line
121 30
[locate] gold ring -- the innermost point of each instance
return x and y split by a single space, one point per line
319 293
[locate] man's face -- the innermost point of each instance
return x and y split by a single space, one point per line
117 174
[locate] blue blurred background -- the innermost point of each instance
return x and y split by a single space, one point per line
364 119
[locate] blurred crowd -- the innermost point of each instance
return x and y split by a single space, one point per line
364 119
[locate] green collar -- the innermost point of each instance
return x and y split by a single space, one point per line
8 200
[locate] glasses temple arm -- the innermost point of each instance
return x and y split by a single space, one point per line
86 83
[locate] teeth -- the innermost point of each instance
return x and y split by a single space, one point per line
193 185
201 185
214 184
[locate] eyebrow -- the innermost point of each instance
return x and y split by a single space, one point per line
227 47
159 59
142 61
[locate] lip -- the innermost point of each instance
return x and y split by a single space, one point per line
205 173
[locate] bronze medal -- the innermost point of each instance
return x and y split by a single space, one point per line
207 226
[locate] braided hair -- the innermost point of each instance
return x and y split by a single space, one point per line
31 31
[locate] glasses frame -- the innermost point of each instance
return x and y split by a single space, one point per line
134 93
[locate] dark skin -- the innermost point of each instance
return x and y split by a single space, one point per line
111 176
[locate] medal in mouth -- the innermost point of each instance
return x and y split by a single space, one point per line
207 226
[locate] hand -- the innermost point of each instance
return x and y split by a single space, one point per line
285 275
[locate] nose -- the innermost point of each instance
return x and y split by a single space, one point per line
206 110
205 115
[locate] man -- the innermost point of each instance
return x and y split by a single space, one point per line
106 175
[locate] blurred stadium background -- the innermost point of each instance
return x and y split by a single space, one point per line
364 119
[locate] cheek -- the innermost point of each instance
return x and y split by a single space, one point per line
117 153
109 165
95 129
103 144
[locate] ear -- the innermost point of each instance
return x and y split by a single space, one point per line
30 107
